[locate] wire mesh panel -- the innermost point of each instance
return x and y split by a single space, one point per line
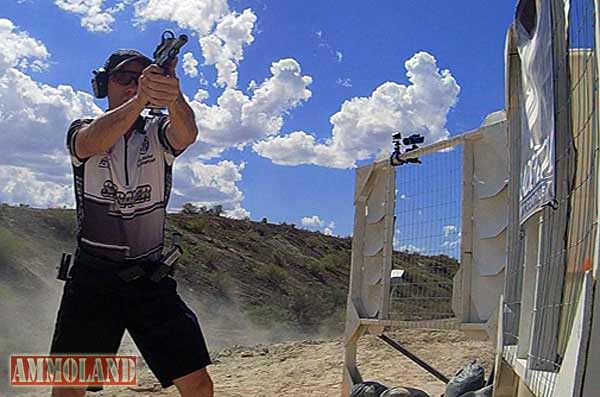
567 252
427 239
582 198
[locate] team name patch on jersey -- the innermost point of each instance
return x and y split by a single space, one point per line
140 194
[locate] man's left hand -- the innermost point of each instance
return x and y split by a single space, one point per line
162 90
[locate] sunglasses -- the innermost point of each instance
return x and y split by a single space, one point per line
125 77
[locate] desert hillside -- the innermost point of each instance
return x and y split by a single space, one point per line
250 283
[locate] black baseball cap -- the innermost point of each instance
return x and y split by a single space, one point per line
123 56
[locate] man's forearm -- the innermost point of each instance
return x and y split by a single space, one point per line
182 124
105 130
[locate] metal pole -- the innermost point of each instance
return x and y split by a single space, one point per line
414 358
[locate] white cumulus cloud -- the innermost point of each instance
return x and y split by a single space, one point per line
18 49
315 222
344 82
312 221
410 248
364 125
449 230
34 118
209 185
190 64
238 119
237 213
201 95
224 47
33 123
94 17
197 15
23 185
297 148
401 244
222 33
452 237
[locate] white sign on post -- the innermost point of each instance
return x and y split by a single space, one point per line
534 41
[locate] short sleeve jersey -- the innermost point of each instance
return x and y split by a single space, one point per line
122 193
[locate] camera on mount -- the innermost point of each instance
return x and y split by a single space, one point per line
411 141
414 139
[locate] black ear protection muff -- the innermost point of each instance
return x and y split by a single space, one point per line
100 83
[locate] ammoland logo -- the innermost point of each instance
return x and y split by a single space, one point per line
72 370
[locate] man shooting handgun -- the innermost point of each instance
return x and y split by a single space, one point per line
122 165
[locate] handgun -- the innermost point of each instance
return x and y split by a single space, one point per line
166 52
168 48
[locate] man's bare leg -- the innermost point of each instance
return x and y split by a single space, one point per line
195 384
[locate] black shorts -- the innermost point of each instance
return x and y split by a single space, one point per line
97 307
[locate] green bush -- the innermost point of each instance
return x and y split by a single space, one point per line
306 308
196 224
336 261
210 256
276 258
309 307
336 298
315 266
273 273
190 209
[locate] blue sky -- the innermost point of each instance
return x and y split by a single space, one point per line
295 63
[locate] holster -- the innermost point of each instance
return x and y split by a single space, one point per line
63 267
165 267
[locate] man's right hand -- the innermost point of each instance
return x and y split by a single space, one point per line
142 96
154 88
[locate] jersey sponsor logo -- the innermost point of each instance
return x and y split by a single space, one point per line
145 157
105 160
145 145
129 198
145 160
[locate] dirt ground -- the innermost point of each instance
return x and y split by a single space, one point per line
314 367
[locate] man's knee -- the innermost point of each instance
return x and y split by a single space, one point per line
196 384
68 391
205 385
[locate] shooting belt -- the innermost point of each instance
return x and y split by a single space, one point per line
126 272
